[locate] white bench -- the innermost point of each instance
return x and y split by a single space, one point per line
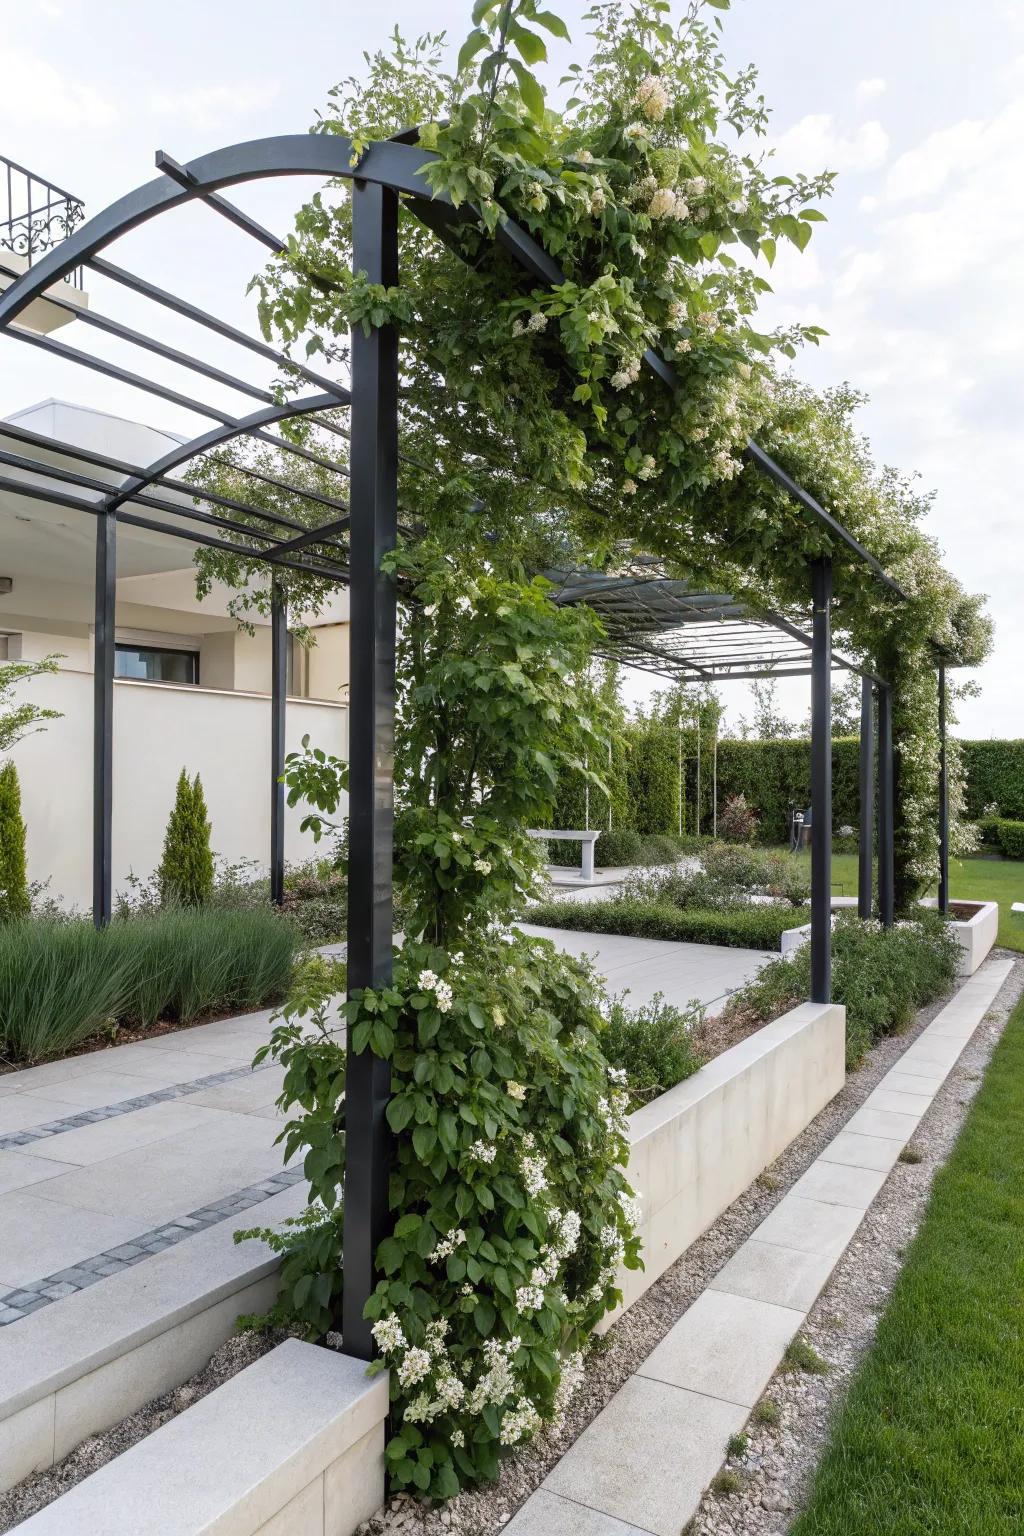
588 839
291 1446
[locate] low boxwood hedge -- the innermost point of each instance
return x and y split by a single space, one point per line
753 927
1002 833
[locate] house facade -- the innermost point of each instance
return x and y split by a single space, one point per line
192 689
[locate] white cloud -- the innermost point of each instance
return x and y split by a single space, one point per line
209 108
33 92
817 143
867 89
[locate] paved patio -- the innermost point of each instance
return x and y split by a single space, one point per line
707 973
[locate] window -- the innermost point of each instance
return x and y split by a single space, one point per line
155 664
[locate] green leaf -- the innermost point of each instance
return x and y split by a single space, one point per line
530 46
483 1317
552 23
424 1139
529 89
474 44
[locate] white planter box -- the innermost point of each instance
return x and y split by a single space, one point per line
696 1149
975 933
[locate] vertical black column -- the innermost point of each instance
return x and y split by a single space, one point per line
886 822
278 697
867 798
821 783
373 494
103 718
943 797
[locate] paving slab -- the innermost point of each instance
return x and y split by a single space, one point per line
869 1121
19 1169
840 1184
24 1111
107 1138
648 1456
813 1226
549 1514
90 1090
41 1237
786 1277
724 1346
683 973
863 1151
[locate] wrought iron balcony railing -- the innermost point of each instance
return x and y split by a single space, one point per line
36 214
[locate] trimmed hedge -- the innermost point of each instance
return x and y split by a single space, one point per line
754 927
995 776
1007 836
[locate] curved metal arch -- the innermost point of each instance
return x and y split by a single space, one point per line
216 437
390 164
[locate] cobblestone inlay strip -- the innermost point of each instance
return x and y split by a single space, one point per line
16 1304
14 1139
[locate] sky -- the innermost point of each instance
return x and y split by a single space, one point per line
918 105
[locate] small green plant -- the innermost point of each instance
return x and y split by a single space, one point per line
911 1155
768 1413
656 1046
726 1482
185 875
801 1355
769 1181
15 901
737 1444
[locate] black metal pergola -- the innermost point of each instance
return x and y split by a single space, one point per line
654 623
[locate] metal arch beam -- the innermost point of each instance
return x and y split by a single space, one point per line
216 437
399 166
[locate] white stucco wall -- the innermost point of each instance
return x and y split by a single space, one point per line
158 730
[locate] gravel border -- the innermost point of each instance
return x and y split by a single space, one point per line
777 1468
616 1356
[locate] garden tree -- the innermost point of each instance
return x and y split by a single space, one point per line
185 874
510 1211
533 402
15 900
768 723
18 720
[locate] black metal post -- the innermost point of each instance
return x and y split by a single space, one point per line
821 782
867 799
886 811
943 797
374 507
278 695
103 719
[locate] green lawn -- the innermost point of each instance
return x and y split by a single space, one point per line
976 879
930 1438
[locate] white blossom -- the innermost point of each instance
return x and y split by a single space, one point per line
414 1367
629 487
652 98
447 1245
483 1151
482 866
388 1334
537 322
636 131
515 1091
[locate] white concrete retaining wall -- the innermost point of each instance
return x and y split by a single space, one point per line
695 1149
975 934
159 728
74 1369
291 1446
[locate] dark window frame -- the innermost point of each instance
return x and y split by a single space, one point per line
185 652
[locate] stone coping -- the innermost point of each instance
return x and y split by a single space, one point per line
51 1348
239 1457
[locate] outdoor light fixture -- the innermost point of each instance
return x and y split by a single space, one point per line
6 585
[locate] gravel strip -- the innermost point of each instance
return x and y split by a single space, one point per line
776 1469
614 1358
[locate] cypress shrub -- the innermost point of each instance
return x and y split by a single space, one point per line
14 894
185 875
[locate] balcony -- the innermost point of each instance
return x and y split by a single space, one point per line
36 215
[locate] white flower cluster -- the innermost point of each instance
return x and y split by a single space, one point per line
535 1173
626 375
598 200
537 198
536 322
483 1151
648 467
519 1422
564 1232
482 866
515 1090
414 1367
497 1382
529 1298
666 203
629 486
652 98
388 1334
447 1246
696 186
636 131
428 982
568 1382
